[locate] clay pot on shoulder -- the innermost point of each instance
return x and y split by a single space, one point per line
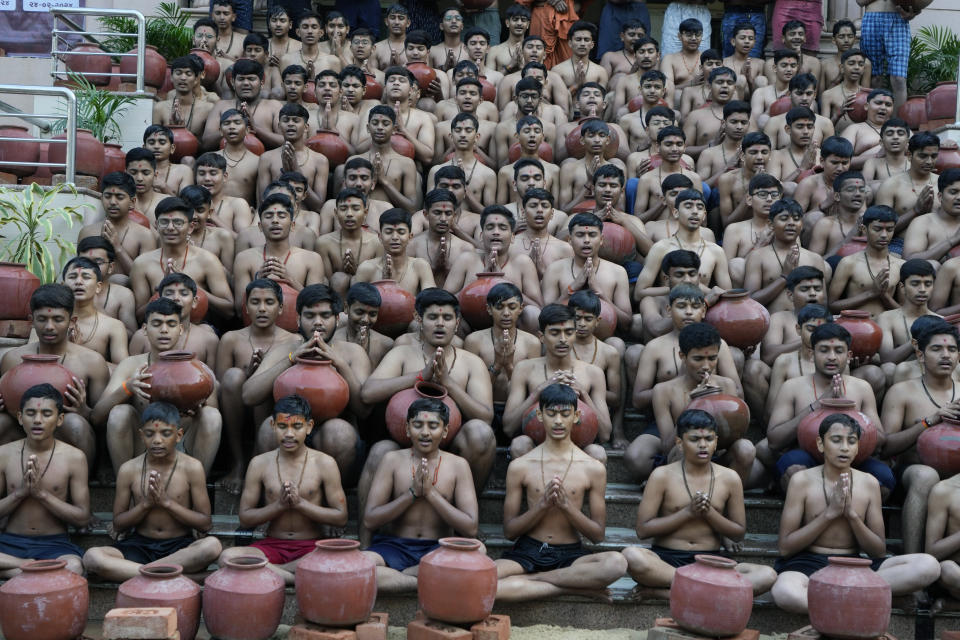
330 144
488 92
154 66
45 601
858 110
584 206
457 583
88 58
336 584
396 308
396 413
847 599
373 89
163 585
544 152
856 244
914 112
731 413
608 321
939 447
17 152
199 312
781 105
309 94
16 286
473 299
251 142
243 600
211 68
949 156
865 333
186 143
618 244
809 428
319 383
584 431
636 103
33 370
575 148
89 154
114 159
402 146
740 320
710 598
942 101
423 73
179 378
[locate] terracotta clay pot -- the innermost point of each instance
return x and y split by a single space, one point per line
607 325
35 369
84 58
167 85
939 447
15 152
544 152
186 143
488 92
710 598
402 146
163 585
199 312
731 413
330 144
741 320
251 142
46 601
243 600
575 147
781 105
211 68
942 101
473 299
139 218
114 159
856 244
584 431
865 333
809 428
584 206
423 73
89 155
16 286
914 111
396 414
309 94
618 244
849 586
336 584
288 318
396 308
373 89
636 103
858 110
180 379
317 381
457 582
154 66
949 156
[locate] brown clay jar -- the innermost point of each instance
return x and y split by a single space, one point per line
331 145
847 599
457 582
939 447
16 286
866 334
396 308
319 383
86 57
740 320
44 602
396 414
89 154
34 369
211 68
809 428
154 66
163 585
186 143
473 299
584 431
114 159
16 152
243 600
179 378
710 598
618 244
423 73
914 111
574 142
731 413
336 584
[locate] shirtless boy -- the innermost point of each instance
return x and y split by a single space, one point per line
535 240
295 511
295 155
798 360
114 300
913 193
671 146
363 310
41 497
742 237
410 273
217 240
505 57
142 167
869 280
239 180
865 136
892 159
803 93
171 176
941 532
229 212
548 558
91 327
261 112
438 245
184 106
415 500
395 176
844 37
681 68
833 231
578 68
836 102
161 500
389 51
703 517
343 250
785 63
916 279
804 286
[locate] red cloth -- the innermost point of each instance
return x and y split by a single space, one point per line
282 550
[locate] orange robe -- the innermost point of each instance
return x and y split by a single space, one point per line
552 27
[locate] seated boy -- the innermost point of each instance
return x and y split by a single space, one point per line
42 495
420 498
943 532
161 501
548 558
293 511
689 507
834 510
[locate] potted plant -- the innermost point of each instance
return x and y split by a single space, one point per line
933 58
169 31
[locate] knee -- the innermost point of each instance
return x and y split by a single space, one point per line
93 560
210 547
232 381
74 564
738 359
597 452
520 446
950 573
925 567
743 450
478 437
121 418
337 435
614 565
210 421
638 559
617 343
789 595
921 478
756 371
380 449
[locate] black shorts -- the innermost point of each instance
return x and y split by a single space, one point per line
401 553
676 558
536 557
38 547
143 550
808 563
503 440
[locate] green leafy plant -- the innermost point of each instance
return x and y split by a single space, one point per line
934 51
98 110
169 31
29 214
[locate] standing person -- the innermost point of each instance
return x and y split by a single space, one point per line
807 12
487 19
361 13
736 11
885 38
615 16
505 57
679 12
551 20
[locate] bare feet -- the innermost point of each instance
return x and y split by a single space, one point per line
232 483
641 593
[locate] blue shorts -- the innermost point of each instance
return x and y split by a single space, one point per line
896 246
401 553
676 558
880 471
536 556
885 38
143 550
612 19
733 15
808 563
38 547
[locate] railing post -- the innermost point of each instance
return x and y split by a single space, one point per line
141 36
70 130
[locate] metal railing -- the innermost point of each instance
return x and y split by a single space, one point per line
57 54
42 120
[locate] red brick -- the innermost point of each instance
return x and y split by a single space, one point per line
375 628
154 623
433 630
493 628
316 632
668 629
950 635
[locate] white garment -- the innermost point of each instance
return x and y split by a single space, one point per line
676 13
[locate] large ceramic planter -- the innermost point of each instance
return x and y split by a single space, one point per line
396 414
942 101
243 600
211 68
154 67
949 156
89 59
914 112
457 583
584 431
473 299
179 378
740 320
939 447
809 428
13 153
44 602
319 383
16 287
114 159
89 154
865 334
731 413
710 598
849 600
396 308
163 585
336 584
331 145
33 370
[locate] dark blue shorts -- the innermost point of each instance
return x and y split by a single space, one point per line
38 547
808 563
143 550
880 471
633 270
536 557
676 558
401 553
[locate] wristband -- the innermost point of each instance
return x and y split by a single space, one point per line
420 377
290 358
125 390
926 425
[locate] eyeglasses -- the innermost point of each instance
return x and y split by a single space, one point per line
166 223
766 195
